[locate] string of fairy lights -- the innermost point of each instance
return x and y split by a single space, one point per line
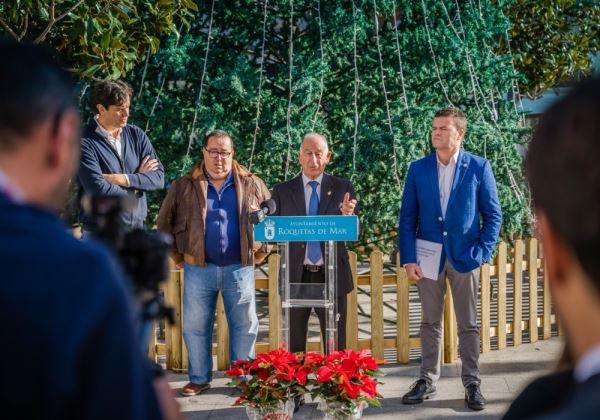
321 84
260 83
290 92
400 70
161 87
477 91
435 64
193 135
485 104
355 93
386 100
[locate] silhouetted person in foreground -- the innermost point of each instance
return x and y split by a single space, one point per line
69 345
563 167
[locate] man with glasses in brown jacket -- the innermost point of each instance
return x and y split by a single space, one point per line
206 212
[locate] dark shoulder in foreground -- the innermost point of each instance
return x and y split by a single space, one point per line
36 246
542 396
582 403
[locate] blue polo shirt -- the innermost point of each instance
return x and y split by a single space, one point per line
222 239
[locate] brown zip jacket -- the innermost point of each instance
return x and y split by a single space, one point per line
183 214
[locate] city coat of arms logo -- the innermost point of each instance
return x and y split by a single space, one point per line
269 229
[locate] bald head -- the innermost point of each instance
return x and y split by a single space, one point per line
314 155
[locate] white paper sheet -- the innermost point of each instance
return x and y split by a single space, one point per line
429 255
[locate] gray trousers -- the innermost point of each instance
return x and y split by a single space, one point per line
464 293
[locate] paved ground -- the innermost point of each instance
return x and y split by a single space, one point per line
504 373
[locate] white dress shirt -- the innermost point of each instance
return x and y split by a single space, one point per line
13 193
307 194
445 178
588 365
115 142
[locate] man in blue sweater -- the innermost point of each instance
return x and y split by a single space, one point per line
70 342
117 158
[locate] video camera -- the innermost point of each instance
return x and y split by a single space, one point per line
143 255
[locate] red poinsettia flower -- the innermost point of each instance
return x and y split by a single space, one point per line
369 386
325 373
269 378
352 389
347 377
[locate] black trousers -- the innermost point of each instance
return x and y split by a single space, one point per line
299 317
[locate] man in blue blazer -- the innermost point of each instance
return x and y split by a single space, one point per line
450 198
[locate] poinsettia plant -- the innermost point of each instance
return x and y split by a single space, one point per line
269 378
346 379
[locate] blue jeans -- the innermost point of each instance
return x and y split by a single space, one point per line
200 291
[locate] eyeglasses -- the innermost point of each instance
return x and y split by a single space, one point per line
215 153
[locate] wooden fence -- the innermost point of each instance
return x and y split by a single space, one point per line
506 276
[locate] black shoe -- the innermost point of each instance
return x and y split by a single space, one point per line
474 398
419 391
298 402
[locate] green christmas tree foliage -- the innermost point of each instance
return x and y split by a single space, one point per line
367 74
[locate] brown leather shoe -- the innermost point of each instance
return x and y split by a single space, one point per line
192 389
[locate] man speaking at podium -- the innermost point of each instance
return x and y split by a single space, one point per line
313 193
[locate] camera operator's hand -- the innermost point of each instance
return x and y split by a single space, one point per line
169 406
117 179
148 164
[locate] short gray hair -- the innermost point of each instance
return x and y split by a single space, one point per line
315 135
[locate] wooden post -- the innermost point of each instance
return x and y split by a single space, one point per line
152 342
377 333
546 319
352 307
222 336
403 311
173 333
561 330
518 293
274 303
450 330
532 266
184 351
484 279
501 296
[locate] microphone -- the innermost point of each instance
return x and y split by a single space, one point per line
266 207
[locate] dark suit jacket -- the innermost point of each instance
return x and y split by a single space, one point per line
289 197
558 396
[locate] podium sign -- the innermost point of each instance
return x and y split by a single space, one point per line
307 228
294 293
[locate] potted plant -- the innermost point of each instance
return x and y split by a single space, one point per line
346 382
269 383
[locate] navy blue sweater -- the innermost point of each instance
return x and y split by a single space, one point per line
98 157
